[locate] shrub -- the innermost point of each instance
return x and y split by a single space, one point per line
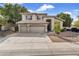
62 30
57 28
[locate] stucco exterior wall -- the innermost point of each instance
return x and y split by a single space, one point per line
23 17
40 27
61 24
52 25
34 17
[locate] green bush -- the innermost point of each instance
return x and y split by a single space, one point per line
57 28
62 30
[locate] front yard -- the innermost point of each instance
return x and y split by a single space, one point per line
3 34
66 36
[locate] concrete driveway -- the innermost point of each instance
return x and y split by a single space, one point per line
36 44
26 44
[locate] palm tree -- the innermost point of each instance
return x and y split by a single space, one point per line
17 10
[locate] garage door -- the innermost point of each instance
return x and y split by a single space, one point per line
37 29
23 29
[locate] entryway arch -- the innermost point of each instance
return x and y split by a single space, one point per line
50 20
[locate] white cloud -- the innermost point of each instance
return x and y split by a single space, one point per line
42 8
30 10
45 7
67 12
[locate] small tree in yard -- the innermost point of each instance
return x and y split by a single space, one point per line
3 22
76 23
57 28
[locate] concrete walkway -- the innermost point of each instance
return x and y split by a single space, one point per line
36 44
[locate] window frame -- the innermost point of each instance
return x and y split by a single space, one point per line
38 18
30 17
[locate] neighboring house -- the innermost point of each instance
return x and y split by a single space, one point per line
36 22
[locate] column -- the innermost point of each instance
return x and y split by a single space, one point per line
61 24
34 17
3 28
52 24
45 28
23 17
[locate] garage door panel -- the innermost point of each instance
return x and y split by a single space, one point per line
23 29
36 29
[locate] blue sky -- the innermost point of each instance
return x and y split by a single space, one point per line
53 8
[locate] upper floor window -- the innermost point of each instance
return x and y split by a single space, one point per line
38 18
26 17
29 17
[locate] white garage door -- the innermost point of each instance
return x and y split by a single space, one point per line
23 29
37 29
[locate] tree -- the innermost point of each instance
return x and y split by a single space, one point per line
67 20
3 21
12 11
76 23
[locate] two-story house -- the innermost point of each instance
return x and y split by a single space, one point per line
36 22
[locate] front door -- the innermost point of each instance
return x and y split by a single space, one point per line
49 25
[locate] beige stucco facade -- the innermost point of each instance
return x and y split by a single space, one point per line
35 22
